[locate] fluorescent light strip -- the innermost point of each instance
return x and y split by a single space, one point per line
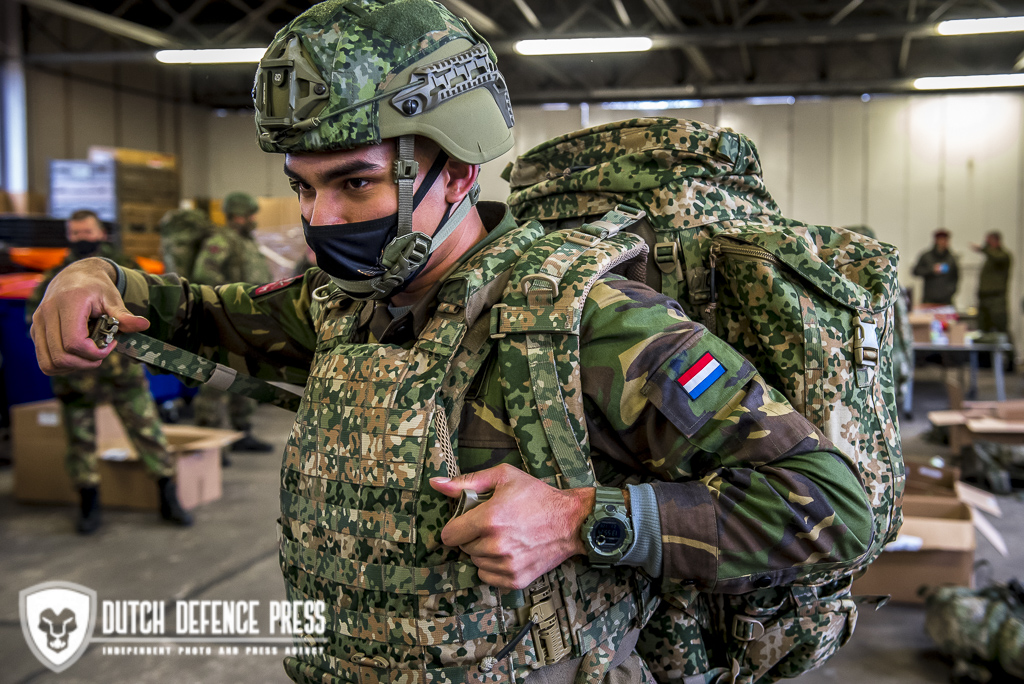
653 105
982 81
582 46
964 27
219 56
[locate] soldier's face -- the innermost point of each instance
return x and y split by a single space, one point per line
85 230
350 186
941 243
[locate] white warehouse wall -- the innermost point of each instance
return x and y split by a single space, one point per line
904 165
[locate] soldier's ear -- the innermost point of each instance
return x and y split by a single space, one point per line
459 180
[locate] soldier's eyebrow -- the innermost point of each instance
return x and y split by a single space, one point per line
341 171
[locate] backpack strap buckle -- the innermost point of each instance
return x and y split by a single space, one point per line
541 296
746 628
865 343
666 256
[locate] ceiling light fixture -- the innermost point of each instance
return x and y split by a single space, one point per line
965 27
958 82
582 46
218 56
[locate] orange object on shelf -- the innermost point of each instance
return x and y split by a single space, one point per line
45 258
38 258
148 265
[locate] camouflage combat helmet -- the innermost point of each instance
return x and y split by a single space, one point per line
344 74
240 204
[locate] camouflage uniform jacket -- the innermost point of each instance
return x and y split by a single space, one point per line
85 382
230 257
749 493
995 273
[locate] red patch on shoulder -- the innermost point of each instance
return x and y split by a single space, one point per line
273 287
213 249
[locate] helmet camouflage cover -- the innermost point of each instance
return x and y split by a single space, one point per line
240 204
347 73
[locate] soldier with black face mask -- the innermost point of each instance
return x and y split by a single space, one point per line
117 380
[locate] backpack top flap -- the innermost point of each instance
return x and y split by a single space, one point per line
683 173
844 266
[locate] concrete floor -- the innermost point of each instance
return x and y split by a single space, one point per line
231 553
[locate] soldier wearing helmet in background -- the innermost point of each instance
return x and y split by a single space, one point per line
385 110
231 255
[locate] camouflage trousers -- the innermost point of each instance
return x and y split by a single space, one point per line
992 316
208 407
120 382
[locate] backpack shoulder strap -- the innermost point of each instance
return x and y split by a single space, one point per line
538 323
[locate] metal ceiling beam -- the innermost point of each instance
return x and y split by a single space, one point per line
740 89
480 21
527 13
778 36
241 29
845 12
621 13
104 22
669 20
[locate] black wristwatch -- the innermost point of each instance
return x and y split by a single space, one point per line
607 534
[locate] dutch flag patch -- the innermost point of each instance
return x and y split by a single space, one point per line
701 375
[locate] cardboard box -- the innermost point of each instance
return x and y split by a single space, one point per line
942 530
39 447
933 480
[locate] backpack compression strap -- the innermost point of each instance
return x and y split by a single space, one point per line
538 321
180 362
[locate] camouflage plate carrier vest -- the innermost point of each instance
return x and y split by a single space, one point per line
810 306
360 525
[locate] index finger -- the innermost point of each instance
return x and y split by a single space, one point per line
75 337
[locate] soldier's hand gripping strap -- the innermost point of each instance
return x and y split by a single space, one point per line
539 321
103 331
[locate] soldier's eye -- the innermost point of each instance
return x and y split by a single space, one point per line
297 185
356 183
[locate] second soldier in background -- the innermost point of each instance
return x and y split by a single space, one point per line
231 255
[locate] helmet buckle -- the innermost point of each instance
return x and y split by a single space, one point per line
406 168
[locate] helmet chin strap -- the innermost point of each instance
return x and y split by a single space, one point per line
408 253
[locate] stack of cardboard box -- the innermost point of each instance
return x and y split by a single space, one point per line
937 542
39 446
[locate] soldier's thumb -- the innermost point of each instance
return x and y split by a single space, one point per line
482 481
126 320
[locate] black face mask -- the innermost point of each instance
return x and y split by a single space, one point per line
84 248
353 251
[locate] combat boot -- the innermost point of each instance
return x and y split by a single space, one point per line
90 518
170 507
251 443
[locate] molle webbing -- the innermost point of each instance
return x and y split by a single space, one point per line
538 325
361 524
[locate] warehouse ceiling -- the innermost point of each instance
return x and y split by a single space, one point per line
703 49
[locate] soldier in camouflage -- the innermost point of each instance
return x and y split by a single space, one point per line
722 485
117 380
992 284
231 255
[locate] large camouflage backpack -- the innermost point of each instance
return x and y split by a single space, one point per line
182 233
810 306
981 629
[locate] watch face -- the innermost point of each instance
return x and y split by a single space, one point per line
608 534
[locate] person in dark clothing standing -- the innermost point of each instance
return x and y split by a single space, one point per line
939 269
995 276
